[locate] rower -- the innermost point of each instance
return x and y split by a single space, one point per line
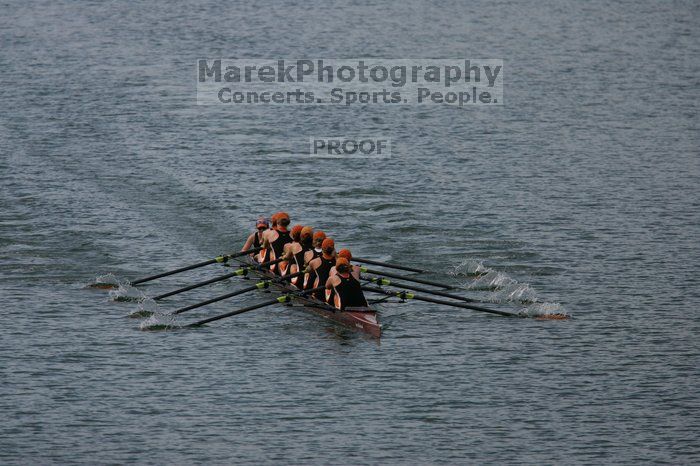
264 253
316 243
294 253
354 271
347 291
321 267
275 239
295 234
255 238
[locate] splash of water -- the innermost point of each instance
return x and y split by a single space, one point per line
159 322
505 289
126 292
105 281
468 267
146 308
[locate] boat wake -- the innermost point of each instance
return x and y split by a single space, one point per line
503 289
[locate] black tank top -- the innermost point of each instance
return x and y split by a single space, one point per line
350 292
311 275
299 257
278 244
322 272
256 240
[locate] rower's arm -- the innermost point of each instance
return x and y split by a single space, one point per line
248 243
331 282
287 251
265 240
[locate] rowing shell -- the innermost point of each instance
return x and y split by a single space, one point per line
362 320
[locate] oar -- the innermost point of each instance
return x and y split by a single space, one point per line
282 299
220 259
403 277
242 272
406 295
391 266
258 286
384 282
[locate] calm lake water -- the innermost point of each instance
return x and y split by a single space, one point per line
580 194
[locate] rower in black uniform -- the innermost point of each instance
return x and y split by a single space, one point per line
347 291
275 239
295 253
321 267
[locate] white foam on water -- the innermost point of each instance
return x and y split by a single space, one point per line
126 292
158 322
545 308
146 307
503 288
468 267
107 279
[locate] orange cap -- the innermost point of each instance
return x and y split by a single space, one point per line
281 215
342 265
345 253
296 232
319 235
306 232
328 243
341 261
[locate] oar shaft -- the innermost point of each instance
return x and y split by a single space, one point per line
406 286
238 272
217 299
282 299
405 295
196 285
403 277
233 313
260 285
195 266
391 266
173 272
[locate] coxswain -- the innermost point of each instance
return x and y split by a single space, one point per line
275 239
321 267
255 238
294 254
347 291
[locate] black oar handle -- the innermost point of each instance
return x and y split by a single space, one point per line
385 264
223 258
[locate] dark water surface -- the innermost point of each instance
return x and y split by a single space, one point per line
580 192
